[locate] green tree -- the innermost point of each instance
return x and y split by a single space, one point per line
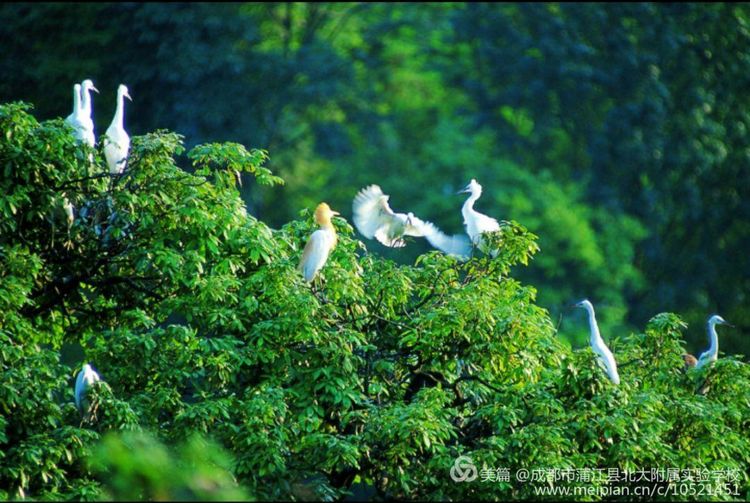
625 124
644 104
378 375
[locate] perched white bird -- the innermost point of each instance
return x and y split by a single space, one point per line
78 119
68 207
320 244
373 217
711 355
86 121
74 119
86 378
477 223
605 358
116 139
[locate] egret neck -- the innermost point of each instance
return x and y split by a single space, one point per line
596 337
86 87
118 119
713 337
76 98
475 192
323 215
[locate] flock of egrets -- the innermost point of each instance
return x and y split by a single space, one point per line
372 216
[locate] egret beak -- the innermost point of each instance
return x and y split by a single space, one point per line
94 89
465 189
335 213
128 96
728 324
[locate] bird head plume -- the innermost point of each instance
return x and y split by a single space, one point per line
473 187
324 213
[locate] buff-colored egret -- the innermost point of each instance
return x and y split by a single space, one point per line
86 109
86 378
690 361
477 223
373 217
116 139
320 244
605 358
712 353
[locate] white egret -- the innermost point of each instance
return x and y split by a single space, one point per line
86 378
68 207
77 119
711 355
86 121
320 244
116 139
74 118
605 358
477 223
373 217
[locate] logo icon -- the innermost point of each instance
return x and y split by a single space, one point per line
463 469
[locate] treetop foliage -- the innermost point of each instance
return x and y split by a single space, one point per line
377 376
616 132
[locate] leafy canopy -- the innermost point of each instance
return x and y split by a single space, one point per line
374 379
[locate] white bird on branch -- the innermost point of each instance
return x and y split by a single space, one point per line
86 108
74 119
605 358
373 217
69 215
320 244
477 223
116 139
86 378
712 354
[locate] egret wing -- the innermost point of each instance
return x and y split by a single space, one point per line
416 227
80 389
606 361
390 236
457 245
371 211
315 254
116 148
486 224
704 359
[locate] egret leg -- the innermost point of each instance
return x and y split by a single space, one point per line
318 288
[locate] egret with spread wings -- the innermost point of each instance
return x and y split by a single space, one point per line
374 218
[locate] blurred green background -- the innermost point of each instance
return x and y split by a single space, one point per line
618 133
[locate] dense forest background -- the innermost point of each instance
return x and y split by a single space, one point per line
618 133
